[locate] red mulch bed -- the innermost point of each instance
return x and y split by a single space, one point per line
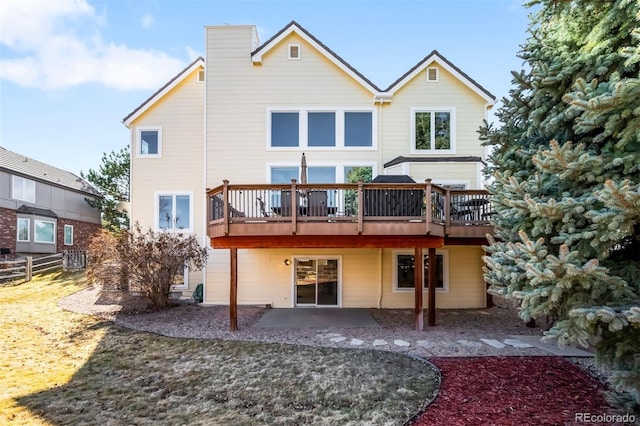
512 391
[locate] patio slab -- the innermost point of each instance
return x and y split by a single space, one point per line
316 318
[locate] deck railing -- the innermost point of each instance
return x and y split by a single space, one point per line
354 203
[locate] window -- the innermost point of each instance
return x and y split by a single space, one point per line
45 231
23 229
174 212
321 129
432 74
285 129
404 271
68 235
358 129
433 130
294 51
181 280
23 189
149 142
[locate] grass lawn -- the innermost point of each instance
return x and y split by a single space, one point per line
63 368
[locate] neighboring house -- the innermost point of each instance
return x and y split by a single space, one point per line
43 209
246 114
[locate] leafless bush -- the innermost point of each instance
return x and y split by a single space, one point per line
147 261
104 267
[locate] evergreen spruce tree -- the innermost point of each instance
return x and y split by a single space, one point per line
566 183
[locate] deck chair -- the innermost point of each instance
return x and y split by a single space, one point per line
197 294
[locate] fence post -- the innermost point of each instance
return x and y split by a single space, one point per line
28 268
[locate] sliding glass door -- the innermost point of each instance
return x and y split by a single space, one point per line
316 282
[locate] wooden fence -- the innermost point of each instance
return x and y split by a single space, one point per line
24 269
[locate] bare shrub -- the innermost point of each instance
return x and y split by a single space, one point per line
104 267
153 260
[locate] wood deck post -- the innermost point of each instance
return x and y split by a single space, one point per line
360 205
225 205
418 267
233 291
431 320
447 211
294 207
429 207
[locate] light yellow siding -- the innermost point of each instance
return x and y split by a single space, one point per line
466 287
181 167
263 278
470 110
446 173
240 95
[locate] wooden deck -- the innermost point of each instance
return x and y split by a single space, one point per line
346 215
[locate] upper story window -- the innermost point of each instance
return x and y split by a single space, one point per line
174 212
321 128
149 142
433 130
432 75
294 51
23 189
285 129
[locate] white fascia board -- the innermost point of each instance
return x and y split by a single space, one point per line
446 66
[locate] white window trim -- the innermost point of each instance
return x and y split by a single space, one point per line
28 230
64 235
139 131
339 166
293 277
303 128
25 182
35 234
293 58
412 130
437 75
185 285
156 211
445 259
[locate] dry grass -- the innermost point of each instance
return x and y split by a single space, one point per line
65 368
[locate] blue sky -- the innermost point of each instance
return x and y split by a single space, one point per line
70 70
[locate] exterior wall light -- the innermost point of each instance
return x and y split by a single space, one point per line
286 262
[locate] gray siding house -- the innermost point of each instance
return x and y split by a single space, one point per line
43 209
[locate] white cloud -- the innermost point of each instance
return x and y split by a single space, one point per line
57 45
192 54
147 21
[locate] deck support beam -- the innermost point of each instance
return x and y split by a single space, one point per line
233 290
418 268
431 283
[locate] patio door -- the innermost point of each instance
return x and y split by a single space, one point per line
316 281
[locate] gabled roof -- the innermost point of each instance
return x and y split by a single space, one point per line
177 79
436 57
28 167
294 27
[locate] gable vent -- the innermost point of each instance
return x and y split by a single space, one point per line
432 74
201 76
294 51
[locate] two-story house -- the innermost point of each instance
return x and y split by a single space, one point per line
258 148
43 209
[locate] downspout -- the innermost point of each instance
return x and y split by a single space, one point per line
206 242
